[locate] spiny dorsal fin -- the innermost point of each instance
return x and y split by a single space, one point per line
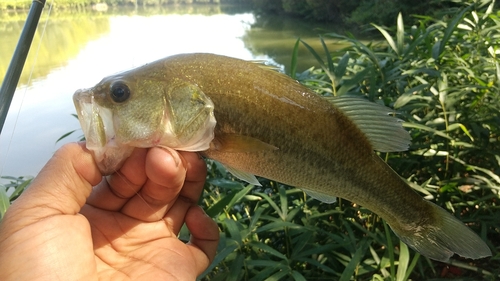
385 132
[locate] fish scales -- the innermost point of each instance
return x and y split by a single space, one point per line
256 121
334 154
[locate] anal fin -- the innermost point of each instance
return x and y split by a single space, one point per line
320 196
242 175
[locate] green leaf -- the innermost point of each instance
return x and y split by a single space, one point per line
277 226
233 229
272 203
314 53
283 202
278 275
388 38
219 257
297 276
293 64
404 258
218 207
449 31
354 262
390 248
65 135
426 128
20 188
4 201
329 60
266 248
342 66
400 34
235 268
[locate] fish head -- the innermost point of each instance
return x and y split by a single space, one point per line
131 110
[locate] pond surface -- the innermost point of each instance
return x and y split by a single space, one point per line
78 49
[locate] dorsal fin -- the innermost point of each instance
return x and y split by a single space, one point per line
385 132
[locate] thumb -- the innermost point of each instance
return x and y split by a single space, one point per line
61 187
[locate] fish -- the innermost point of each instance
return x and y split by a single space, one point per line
258 122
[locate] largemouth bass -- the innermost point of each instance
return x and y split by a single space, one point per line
256 121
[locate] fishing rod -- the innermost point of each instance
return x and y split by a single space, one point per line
16 65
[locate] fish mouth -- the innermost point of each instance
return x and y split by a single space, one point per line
97 125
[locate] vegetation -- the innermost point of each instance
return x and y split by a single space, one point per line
24 4
354 12
443 78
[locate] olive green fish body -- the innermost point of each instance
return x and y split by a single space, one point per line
318 147
271 126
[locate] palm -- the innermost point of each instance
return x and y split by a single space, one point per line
139 250
124 228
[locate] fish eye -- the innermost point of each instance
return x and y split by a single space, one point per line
119 92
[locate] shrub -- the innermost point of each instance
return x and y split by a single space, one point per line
443 78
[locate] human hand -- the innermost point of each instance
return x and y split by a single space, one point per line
125 228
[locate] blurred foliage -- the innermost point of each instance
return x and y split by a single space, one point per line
356 12
11 190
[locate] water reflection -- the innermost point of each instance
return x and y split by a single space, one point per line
276 37
64 37
80 49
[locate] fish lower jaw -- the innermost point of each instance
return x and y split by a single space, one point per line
109 159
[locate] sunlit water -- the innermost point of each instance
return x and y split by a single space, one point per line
78 52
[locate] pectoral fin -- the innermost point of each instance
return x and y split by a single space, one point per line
235 143
250 178
320 196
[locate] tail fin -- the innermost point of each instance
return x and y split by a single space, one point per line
445 238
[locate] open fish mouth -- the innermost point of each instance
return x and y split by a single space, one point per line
96 121
97 125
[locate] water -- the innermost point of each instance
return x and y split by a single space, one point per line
79 49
